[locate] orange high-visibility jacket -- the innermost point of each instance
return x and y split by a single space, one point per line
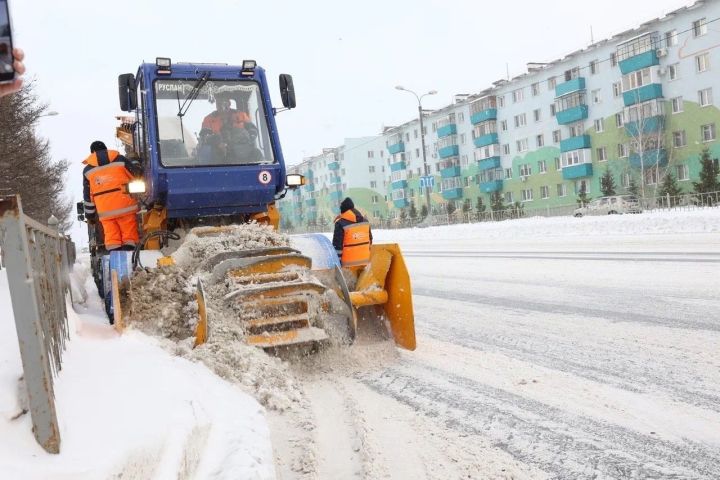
215 121
106 177
356 239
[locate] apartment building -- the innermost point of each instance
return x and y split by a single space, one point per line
640 105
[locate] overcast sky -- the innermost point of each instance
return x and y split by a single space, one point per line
345 57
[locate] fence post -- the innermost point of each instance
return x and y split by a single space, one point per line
23 295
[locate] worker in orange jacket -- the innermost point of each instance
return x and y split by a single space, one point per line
352 236
105 180
230 133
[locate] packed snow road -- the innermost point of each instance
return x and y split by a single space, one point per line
555 357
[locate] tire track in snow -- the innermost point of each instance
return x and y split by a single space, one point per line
599 363
565 445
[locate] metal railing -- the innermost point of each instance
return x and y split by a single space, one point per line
688 201
38 260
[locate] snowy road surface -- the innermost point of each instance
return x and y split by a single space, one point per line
538 357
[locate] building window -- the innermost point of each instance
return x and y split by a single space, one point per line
462 139
371 169
527 195
461 117
374 199
636 79
561 190
522 145
671 38
702 63
508 173
551 83
537 114
599 125
503 125
464 160
407 136
582 185
707 132
371 154
594 67
373 184
535 89
699 27
467 181
681 172
677 104
622 150
525 170
617 89
544 192
417 153
506 149
557 136
501 101
673 71
601 154
508 197
619 119
520 120
552 110
596 96
558 165
613 59
542 166
576 129
679 139
705 97
518 95
540 140
651 176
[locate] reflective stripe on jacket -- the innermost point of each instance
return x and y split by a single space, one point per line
215 121
356 240
107 177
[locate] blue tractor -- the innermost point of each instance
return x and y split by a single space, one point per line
208 141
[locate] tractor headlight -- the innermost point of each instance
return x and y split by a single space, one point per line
294 180
136 186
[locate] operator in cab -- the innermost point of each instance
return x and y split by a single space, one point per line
105 196
230 134
352 236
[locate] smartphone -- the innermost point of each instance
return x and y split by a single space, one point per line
7 71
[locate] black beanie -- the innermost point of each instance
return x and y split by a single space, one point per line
97 145
346 205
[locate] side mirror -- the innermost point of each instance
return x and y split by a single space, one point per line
287 90
127 91
80 208
294 180
81 218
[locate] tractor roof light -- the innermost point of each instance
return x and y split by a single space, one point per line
248 67
163 65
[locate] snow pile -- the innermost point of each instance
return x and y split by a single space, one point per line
660 222
127 409
163 304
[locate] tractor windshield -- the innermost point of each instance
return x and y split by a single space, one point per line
202 123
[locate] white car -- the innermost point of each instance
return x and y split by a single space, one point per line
610 206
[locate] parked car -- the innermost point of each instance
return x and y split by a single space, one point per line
610 206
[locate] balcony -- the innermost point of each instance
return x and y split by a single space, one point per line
334 180
449 172
484 140
310 202
575 143
574 85
479 117
397 185
577 171
489 163
336 196
309 187
401 203
571 115
650 158
397 166
642 94
447 130
452 193
449 151
649 125
640 61
491 186
396 148
333 165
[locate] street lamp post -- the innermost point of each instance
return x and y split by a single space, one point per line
422 139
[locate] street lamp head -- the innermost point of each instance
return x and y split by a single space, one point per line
52 114
399 87
432 92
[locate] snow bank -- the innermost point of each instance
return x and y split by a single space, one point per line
127 409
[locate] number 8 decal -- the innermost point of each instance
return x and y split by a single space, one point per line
265 177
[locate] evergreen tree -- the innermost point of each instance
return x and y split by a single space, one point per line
607 183
413 211
708 174
450 207
497 202
582 197
480 206
633 188
403 214
466 206
423 211
518 210
670 188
